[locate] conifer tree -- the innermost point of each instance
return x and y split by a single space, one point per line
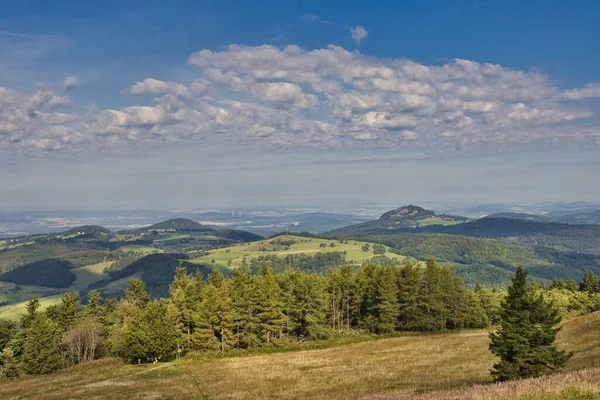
245 300
215 318
41 348
94 307
590 283
67 312
30 312
269 307
215 277
185 296
136 292
9 365
525 341
387 301
151 332
409 283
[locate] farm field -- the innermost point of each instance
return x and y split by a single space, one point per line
229 258
407 367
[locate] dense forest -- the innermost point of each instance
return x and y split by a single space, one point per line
262 308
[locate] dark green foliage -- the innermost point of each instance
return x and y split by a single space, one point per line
590 283
136 292
269 305
215 318
156 270
490 262
49 272
67 312
151 332
87 230
238 236
41 350
379 249
30 312
525 341
303 262
94 303
577 238
387 301
46 249
8 329
9 364
78 259
179 224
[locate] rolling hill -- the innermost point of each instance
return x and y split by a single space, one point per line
514 227
403 219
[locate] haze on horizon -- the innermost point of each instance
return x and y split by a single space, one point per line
144 105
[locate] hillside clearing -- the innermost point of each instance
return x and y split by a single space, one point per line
229 258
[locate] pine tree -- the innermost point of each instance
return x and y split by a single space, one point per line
269 307
41 348
150 332
387 301
245 300
215 277
9 365
94 303
8 329
185 296
31 311
215 318
409 283
590 283
525 341
136 292
67 312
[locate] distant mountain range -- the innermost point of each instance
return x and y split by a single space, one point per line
552 209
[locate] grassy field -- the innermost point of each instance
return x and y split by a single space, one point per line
231 257
409 367
136 248
84 277
13 311
438 221
89 274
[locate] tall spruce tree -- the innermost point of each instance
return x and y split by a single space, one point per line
269 306
215 318
525 341
41 353
136 292
387 300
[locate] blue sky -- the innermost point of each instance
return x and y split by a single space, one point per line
151 103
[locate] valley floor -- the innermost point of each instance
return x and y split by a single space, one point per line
397 368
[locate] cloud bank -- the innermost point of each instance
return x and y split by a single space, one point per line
289 97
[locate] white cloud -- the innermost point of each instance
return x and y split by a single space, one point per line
155 86
588 92
358 33
285 97
70 82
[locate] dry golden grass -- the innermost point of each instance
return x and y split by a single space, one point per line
452 366
566 385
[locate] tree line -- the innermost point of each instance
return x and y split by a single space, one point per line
261 307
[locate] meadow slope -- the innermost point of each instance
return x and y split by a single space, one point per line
394 368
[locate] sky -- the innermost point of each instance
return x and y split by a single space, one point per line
156 104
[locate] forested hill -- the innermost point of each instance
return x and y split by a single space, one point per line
522 228
402 219
583 218
490 262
